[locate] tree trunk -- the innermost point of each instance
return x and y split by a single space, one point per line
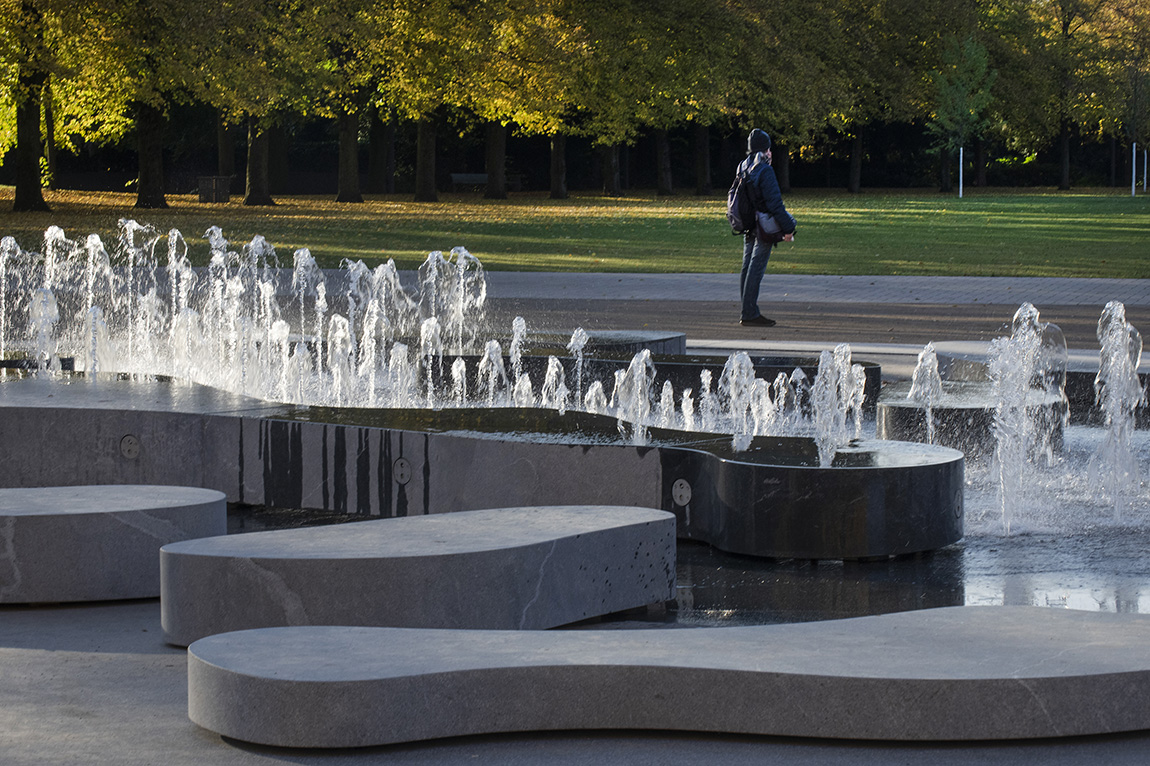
979 162
1113 161
496 161
381 154
150 155
730 155
425 162
612 186
30 84
348 176
28 194
945 157
49 134
258 191
702 160
663 181
854 178
277 161
558 166
1064 157
781 161
225 149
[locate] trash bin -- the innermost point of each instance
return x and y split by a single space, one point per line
215 188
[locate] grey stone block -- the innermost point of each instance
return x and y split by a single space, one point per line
962 673
506 568
96 543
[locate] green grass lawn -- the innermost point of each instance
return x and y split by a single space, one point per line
1084 233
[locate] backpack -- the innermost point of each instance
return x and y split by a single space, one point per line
741 206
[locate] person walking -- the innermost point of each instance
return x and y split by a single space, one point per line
773 224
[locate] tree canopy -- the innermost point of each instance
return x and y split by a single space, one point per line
1031 72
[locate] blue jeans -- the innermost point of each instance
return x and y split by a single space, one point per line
755 257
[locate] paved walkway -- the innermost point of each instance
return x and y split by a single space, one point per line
787 288
884 319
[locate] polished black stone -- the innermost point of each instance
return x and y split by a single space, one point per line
774 499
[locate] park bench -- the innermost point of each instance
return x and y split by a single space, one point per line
467 180
958 673
96 543
474 180
214 188
504 568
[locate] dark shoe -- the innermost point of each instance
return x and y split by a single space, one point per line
759 321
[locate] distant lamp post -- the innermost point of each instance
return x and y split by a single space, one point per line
960 167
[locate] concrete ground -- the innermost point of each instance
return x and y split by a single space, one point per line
95 684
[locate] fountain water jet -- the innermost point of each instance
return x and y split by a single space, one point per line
224 328
1034 468
926 387
1118 393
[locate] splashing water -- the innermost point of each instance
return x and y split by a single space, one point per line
459 381
763 409
431 352
687 410
401 377
926 387
837 391
522 394
633 396
575 347
554 393
43 315
595 401
8 251
518 335
306 277
99 354
1118 392
708 403
228 326
1025 369
454 288
735 384
492 373
665 412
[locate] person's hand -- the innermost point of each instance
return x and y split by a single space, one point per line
789 237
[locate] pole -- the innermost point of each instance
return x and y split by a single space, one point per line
1144 153
960 172
1133 168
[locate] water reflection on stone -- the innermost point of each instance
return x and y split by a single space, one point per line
1104 570
719 589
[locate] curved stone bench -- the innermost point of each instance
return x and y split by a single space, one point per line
508 568
96 543
961 673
